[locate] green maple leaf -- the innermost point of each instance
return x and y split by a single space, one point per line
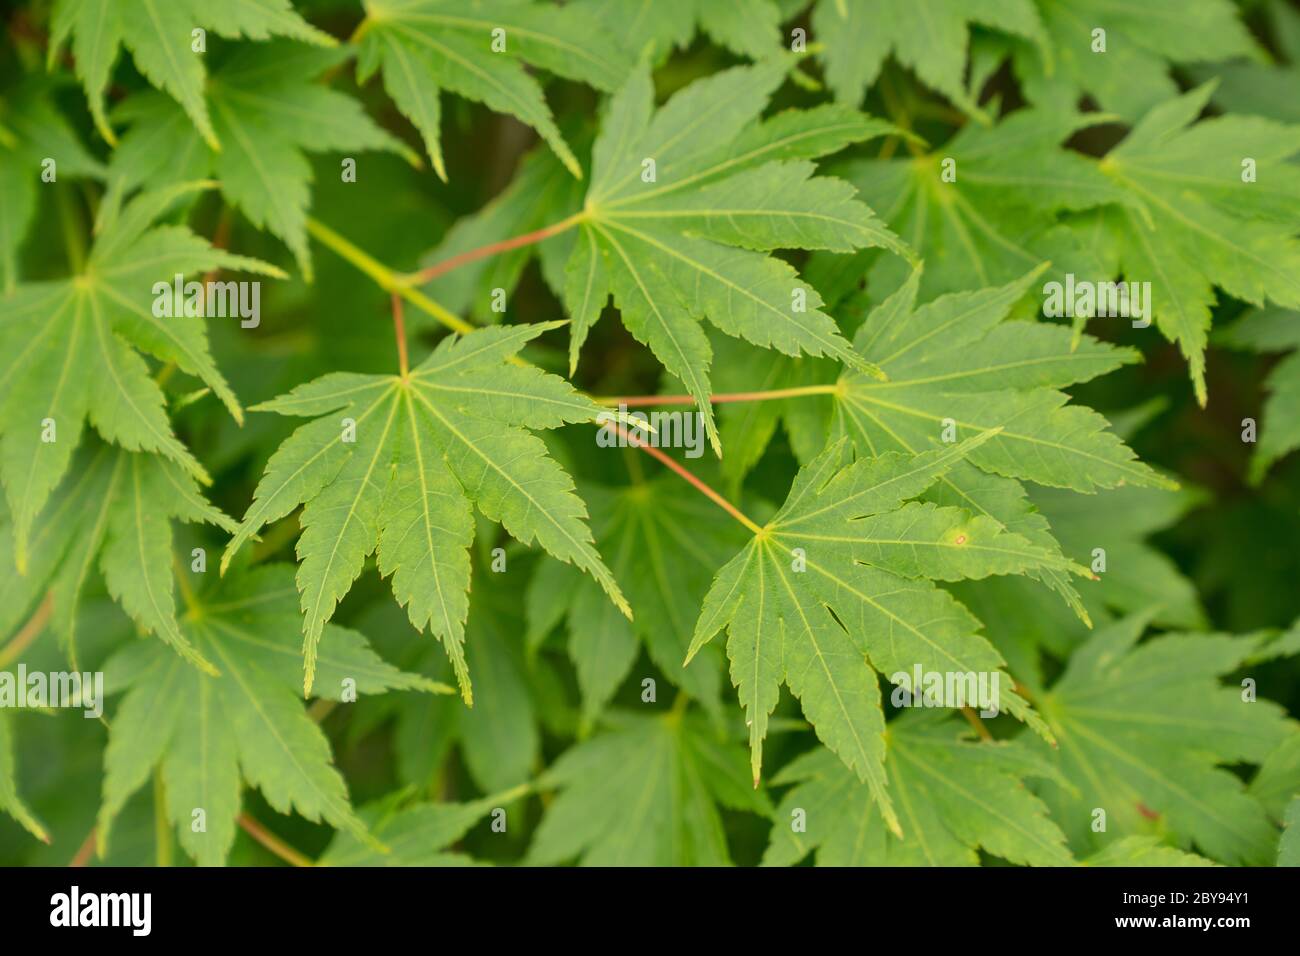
1169 207
417 835
1143 730
1144 851
646 792
10 802
839 585
159 34
500 740
748 27
114 511
955 797
1258 88
1023 619
1143 40
269 114
426 46
999 218
694 241
958 360
1183 219
1273 330
1137 574
665 547
36 132
928 36
68 354
427 446
208 735
1277 785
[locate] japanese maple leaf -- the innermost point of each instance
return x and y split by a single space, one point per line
160 36
479 51
269 115
1186 217
210 735
394 464
686 204
929 36
1142 43
115 511
1144 731
956 361
646 792
839 585
958 797
749 27
37 131
68 353
665 547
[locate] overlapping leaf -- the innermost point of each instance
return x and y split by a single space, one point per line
956 797
665 548
928 36
68 354
269 114
1143 732
161 37
747 27
839 585
645 793
37 133
417 835
957 363
1203 204
115 513
397 466
1142 41
209 735
479 51
685 204
1263 89
984 205
1278 431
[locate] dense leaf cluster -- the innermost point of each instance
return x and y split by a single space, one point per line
427 603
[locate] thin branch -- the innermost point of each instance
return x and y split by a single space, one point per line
399 329
723 397
321 708
85 851
272 842
492 249
29 631
700 486
384 277
973 719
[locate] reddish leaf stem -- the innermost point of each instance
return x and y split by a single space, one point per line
505 245
85 851
29 632
699 485
760 396
399 329
973 719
